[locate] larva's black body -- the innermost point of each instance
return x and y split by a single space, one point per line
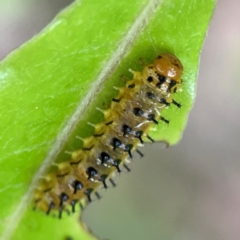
126 124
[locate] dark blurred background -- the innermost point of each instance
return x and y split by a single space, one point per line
192 190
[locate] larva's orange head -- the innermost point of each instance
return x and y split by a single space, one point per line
169 66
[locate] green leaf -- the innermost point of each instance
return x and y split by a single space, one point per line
50 87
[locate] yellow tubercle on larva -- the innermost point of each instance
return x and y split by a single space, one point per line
126 123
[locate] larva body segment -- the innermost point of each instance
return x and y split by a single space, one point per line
127 122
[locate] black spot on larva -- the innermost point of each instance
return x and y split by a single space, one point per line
161 79
91 172
77 186
172 84
131 85
63 198
138 112
116 143
98 135
105 158
150 79
159 57
150 95
163 101
126 129
128 149
138 134
88 149
109 123
116 100
151 117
